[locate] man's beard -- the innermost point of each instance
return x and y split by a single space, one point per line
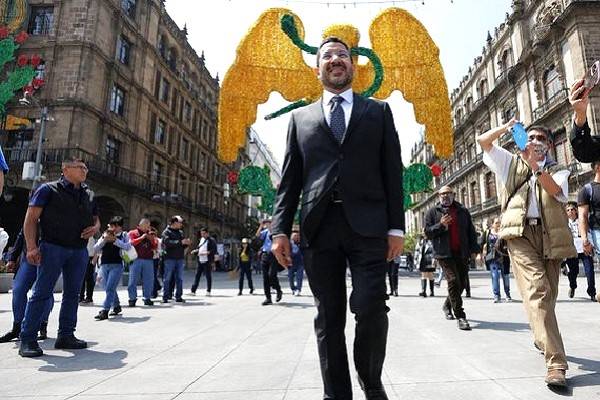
337 83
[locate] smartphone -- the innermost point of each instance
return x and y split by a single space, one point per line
520 136
592 77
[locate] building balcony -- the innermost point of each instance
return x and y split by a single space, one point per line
475 208
489 203
556 100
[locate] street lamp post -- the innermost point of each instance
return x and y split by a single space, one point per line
226 194
26 101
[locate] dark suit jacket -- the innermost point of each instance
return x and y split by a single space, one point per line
366 169
440 235
586 148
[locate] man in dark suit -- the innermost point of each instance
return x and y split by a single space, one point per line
343 157
586 147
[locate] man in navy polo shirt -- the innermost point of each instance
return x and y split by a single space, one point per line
65 212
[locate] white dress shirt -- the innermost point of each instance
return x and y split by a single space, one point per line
498 160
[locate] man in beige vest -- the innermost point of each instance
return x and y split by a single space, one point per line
537 232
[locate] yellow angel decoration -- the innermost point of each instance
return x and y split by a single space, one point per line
269 58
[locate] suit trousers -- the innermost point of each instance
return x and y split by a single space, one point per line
334 248
537 278
455 269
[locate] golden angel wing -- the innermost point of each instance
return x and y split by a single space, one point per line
411 64
266 61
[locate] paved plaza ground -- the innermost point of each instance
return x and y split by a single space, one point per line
227 347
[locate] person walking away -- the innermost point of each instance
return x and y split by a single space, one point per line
269 265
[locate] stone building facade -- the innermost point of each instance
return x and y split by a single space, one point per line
525 69
128 94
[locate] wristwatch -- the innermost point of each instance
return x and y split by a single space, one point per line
538 173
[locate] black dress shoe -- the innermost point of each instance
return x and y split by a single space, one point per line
179 300
69 342
267 302
279 296
164 301
375 394
132 303
148 302
571 293
463 324
30 349
116 310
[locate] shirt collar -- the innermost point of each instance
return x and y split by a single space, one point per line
68 185
348 96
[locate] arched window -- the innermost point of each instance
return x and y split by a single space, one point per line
172 61
482 88
552 84
469 104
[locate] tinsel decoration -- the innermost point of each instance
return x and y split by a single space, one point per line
257 182
232 177
12 13
20 77
436 170
268 60
416 178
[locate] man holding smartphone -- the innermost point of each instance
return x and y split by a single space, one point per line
586 148
450 228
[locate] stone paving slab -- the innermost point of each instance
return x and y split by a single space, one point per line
229 347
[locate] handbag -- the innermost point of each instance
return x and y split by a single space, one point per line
129 256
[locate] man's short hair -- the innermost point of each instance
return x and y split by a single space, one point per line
571 204
116 220
71 160
541 128
176 218
204 229
331 39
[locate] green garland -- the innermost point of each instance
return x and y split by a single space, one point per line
416 178
17 79
257 182
288 25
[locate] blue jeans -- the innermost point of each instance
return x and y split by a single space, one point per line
72 262
145 269
111 276
496 269
594 236
23 282
296 276
173 270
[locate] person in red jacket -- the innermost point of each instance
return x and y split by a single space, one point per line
145 242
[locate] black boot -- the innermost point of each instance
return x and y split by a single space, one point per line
12 334
102 315
43 335
116 310
431 286
69 342
30 349
423 288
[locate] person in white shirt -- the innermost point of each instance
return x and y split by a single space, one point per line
536 230
3 240
206 257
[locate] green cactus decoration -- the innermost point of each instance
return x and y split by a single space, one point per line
416 178
257 182
24 71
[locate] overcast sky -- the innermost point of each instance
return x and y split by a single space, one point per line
458 27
